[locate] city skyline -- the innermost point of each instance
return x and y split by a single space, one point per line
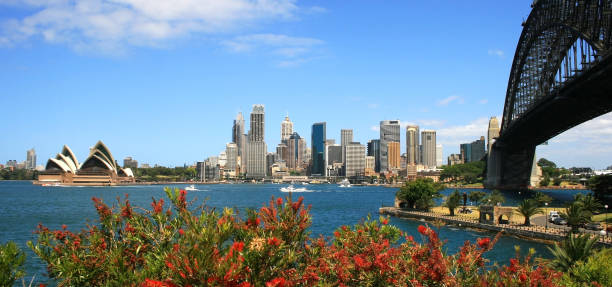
170 94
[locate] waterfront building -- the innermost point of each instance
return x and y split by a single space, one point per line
256 159
282 152
492 133
295 150
30 159
286 129
237 132
270 160
389 132
454 159
242 149
439 161
11 163
257 127
200 170
129 162
412 145
394 157
211 169
318 137
374 150
231 152
100 168
369 162
222 159
330 141
346 137
466 152
404 161
478 149
333 154
428 142
355 159
145 165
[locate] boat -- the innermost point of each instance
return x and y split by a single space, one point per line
345 183
51 184
191 188
291 188
304 183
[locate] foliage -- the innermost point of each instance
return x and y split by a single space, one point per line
576 215
11 263
528 208
588 202
545 181
420 193
542 198
595 271
573 249
270 247
453 201
546 163
471 172
494 198
18 174
477 196
160 173
601 186
557 181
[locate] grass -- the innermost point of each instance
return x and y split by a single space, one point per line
602 217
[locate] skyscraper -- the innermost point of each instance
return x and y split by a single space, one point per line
237 132
374 150
393 149
439 161
318 137
492 133
478 149
412 145
129 162
231 153
31 159
286 129
257 128
295 151
428 142
346 137
389 132
257 149
466 152
355 159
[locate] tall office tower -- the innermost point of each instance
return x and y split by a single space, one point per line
318 137
270 157
466 152
369 162
478 149
374 150
256 159
295 151
242 152
237 132
257 128
492 133
355 159
333 154
428 142
129 162
286 129
31 159
330 141
393 150
222 158
231 153
346 137
211 168
389 132
439 161
412 145
282 152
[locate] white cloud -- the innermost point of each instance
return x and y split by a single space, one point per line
375 128
431 123
450 99
483 101
496 52
116 24
453 136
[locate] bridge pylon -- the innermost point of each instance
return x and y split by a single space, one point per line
509 168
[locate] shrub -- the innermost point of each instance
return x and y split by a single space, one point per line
11 263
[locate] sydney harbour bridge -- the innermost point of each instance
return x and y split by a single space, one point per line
561 76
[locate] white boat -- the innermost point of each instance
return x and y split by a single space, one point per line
191 188
345 183
291 188
51 184
304 183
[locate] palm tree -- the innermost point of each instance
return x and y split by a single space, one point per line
576 215
573 249
453 201
589 202
528 208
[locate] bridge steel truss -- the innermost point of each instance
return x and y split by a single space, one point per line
561 76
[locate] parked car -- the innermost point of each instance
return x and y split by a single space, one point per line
593 226
553 215
559 221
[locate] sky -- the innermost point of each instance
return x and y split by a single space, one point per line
162 81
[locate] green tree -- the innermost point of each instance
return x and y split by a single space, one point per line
557 181
542 198
453 201
601 186
476 196
546 163
573 249
597 268
528 208
588 202
494 198
11 263
575 215
420 193
545 181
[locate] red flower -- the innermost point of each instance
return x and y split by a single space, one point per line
279 201
276 282
154 283
423 230
385 221
64 226
245 284
361 262
181 232
336 234
523 277
238 246
484 243
273 241
157 206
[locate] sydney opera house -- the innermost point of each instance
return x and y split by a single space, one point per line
100 168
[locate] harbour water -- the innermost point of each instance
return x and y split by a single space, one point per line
24 205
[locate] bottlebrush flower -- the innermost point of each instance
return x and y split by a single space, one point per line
273 241
181 232
276 282
279 201
423 230
484 242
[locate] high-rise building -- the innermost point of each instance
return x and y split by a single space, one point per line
370 162
282 153
270 159
334 154
129 162
466 152
318 137
355 159
257 128
346 137
428 142
31 159
478 149
439 160
286 129
242 150
412 145
389 132
295 150
11 163
237 132
374 150
222 159
393 150
231 153
492 133
454 159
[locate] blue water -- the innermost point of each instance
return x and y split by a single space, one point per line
24 205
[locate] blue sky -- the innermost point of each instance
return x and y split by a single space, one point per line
162 80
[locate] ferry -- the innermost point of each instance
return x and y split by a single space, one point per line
345 183
191 188
291 188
